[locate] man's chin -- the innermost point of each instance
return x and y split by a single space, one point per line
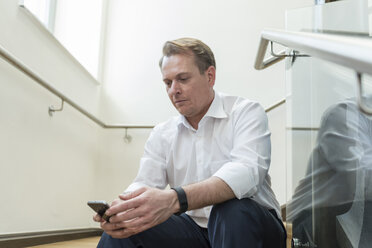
183 111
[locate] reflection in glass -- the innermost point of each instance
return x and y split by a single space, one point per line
336 192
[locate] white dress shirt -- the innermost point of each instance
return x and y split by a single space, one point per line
232 142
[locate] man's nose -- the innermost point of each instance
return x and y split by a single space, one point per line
175 88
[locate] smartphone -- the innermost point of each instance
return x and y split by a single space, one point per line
100 208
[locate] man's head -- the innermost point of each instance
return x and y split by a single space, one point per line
203 55
189 70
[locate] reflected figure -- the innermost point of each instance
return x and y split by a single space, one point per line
335 192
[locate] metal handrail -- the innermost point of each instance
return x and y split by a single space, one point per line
354 52
26 70
261 62
350 51
274 106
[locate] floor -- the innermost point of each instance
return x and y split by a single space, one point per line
93 241
79 243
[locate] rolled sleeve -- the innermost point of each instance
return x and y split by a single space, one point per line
250 156
231 173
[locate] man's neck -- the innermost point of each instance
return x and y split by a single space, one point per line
194 121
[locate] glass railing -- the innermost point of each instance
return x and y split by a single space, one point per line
329 139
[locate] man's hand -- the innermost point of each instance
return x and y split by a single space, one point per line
147 207
98 218
138 211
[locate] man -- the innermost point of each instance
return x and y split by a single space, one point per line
216 153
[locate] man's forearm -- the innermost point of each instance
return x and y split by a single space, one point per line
208 192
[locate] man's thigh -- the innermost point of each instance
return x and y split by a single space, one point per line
178 231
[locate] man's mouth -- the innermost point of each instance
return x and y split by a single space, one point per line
179 101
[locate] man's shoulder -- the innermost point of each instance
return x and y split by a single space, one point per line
236 104
164 132
168 126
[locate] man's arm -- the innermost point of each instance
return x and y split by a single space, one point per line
148 207
208 192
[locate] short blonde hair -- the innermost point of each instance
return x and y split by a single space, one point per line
203 55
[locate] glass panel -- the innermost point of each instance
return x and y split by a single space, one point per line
329 140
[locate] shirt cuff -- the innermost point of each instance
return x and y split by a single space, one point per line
241 178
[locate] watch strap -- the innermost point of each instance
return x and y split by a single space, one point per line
182 199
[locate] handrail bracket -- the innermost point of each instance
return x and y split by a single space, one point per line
362 106
282 54
127 137
52 109
293 54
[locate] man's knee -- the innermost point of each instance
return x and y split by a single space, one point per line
244 222
235 211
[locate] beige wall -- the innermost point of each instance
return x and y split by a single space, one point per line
47 164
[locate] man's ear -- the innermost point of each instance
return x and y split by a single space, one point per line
211 74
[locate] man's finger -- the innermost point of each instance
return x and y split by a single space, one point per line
116 202
134 223
97 218
127 215
132 194
123 206
109 227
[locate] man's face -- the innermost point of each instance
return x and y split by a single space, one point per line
190 92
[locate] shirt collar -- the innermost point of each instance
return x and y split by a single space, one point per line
216 110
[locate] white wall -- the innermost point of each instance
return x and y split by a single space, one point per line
137 30
49 166
278 167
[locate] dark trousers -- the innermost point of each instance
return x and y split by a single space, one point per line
235 223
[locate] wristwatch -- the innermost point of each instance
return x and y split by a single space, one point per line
182 200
